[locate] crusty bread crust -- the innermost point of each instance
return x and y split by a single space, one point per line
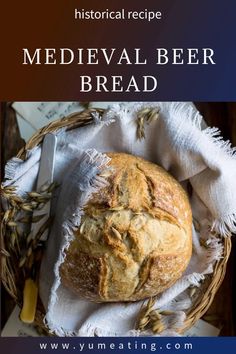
135 238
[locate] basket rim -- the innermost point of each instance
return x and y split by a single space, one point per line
80 119
72 121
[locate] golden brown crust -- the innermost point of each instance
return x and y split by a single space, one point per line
135 239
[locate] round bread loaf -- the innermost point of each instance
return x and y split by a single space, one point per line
135 237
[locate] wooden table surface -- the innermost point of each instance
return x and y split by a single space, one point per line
222 115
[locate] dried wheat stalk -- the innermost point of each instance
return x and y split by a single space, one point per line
145 115
18 247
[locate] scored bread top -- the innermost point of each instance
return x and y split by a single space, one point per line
134 240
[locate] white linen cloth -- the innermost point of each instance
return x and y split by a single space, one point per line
177 142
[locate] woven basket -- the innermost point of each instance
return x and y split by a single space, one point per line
12 280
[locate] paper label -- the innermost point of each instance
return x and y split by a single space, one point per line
15 328
32 116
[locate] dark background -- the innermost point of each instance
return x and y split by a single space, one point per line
221 115
51 24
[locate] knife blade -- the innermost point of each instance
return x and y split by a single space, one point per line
45 178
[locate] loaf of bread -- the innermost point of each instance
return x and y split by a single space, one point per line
135 237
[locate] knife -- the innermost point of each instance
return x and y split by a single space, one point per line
45 178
